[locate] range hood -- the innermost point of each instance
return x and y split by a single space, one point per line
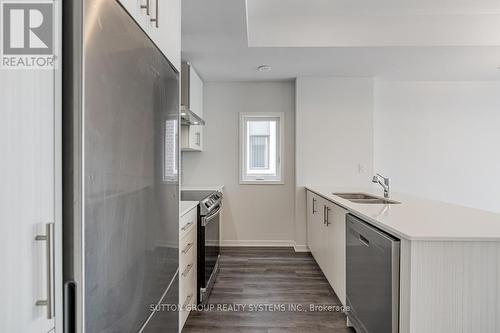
188 116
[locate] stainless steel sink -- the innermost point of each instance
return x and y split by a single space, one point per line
363 198
356 196
375 201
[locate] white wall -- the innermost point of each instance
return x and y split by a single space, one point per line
434 139
440 140
252 214
334 136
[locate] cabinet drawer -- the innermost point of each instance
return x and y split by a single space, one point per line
187 245
188 264
187 283
188 302
188 221
188 267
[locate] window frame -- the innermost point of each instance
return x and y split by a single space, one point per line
245 179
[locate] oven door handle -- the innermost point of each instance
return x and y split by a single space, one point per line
206 219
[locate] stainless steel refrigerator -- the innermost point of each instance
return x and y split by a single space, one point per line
121 174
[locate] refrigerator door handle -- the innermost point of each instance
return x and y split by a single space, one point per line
69 307
49 239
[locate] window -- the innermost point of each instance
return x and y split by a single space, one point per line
261 146
170 172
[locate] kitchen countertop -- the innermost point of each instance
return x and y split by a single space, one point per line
202 187
186 206
418 218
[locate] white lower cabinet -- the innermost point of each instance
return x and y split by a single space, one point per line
316 228
187 265
336 250
322 238
326 240
312 216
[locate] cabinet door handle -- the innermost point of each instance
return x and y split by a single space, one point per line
314 206
186 271
155 20
198 137
147 7
186 302
328 216
184 228
324 214
187 248
49 239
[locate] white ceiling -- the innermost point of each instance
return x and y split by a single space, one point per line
370 7
333 23
386 39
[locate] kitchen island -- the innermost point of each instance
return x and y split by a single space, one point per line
449 257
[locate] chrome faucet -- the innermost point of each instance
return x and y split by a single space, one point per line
384 182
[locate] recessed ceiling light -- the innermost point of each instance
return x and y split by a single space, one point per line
264 68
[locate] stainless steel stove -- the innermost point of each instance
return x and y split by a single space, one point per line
210 204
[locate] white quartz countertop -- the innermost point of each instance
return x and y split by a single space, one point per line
202 187
186 206
418 218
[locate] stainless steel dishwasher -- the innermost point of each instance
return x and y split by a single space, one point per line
372 278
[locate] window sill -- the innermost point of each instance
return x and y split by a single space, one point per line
262 182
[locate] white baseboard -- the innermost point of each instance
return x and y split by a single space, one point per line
300 248
256 243
265 243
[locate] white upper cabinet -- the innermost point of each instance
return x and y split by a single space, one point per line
165 28
161 20
191 90
137 9
195 92
192 138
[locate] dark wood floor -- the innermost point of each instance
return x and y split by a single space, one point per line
259 276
